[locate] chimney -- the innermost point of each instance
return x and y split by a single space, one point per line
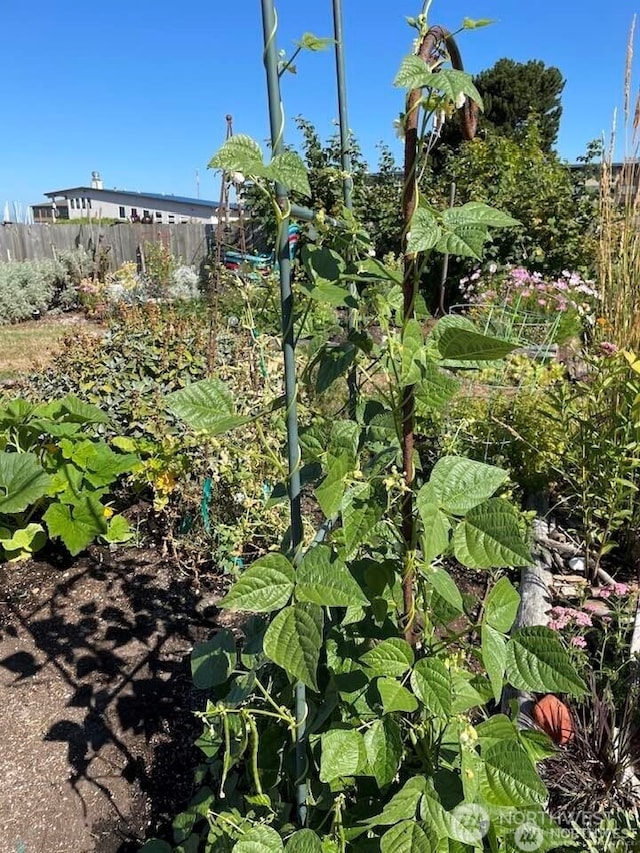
96 181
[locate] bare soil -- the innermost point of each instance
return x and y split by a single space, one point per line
96 703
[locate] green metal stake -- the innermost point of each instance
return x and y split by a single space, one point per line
276 119
347 181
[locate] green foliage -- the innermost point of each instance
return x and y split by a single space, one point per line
390 749
31 289
556 215
55 469
513 92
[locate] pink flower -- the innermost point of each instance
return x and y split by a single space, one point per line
542 301
608 348
620 589
579 642
602 592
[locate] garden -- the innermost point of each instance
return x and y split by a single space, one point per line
340 554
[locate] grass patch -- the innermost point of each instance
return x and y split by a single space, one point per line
28 347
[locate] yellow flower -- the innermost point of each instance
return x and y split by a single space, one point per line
108 512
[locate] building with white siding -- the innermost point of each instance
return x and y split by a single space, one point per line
96 202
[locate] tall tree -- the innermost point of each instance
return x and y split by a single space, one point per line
514 92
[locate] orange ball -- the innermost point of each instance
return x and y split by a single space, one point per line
554 717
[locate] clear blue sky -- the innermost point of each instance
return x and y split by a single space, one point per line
139 90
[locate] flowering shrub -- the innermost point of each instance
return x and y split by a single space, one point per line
567 295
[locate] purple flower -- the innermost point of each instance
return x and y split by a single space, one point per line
608 348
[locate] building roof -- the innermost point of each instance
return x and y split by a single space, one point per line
93 192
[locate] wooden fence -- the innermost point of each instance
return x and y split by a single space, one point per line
112 244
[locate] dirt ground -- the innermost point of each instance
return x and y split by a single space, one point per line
96 722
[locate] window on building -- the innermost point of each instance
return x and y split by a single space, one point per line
158 214
89 203
172 218
84 203
145 213
72 203
134 212
121 212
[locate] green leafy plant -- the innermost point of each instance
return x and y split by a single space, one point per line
55 471
352 715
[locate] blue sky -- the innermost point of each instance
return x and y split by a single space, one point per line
139 90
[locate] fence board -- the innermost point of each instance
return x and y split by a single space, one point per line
191 242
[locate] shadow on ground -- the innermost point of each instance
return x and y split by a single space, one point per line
94 672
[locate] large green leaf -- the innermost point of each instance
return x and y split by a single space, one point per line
392 657
435 388
77 526
466 241
213 661
494 657
477 213
334 362
206 405
240 153
362 508
414 73
77 411
406 837
467 344
425 232
265 586
403 805
304 841
342 754
459 484
501 606
383 746
537 661
444 585
431 682
454 83
289 170
330 492
489 537
293 641
509 778
259 839
435 524
22 481
324 580
395 697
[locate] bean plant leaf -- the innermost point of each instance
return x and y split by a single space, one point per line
444 585
431 682
304 841
454 84
465 241
395 697
501 606
259 839
414 73
293 641
213 661
494 657
489 537
265 586
241 154
471 24
330 492
424 232
384 749
309 41
361 510
509 778
333 363
476 213
324 580
537 661
466 344
392 657
289 170
435 524
77 411
435 388
342 754
459 484
403 805
406 837
22 481
206 405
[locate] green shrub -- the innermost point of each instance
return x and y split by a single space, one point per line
31 289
